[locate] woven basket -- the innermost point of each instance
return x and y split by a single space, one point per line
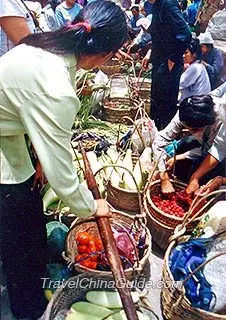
122 199
161 224
111 67
175 305
75 289
115 115
159 215
111 111
91 226
160 233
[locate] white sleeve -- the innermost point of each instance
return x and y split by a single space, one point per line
48 121
12 8
218 148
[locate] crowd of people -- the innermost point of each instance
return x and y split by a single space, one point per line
40 54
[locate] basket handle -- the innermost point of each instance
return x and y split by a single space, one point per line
181 229
140 218
202 265
126 82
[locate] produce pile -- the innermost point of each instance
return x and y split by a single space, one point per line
104 305
90 252
176 204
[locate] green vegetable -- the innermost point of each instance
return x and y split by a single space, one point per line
90 308
122 316
49 198
108 299
81 316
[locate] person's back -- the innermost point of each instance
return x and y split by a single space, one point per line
168 32
66 12
148 6
215 65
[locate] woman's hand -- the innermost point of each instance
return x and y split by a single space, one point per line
167 187
103 209
212 185
146 59
40 178
193 186
170 163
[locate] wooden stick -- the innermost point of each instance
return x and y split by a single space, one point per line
110 246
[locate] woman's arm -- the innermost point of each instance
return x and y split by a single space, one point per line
208 164
212 185
15 28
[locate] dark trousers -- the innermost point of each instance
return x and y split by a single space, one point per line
24 248
164 93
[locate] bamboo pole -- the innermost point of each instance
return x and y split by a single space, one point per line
110 246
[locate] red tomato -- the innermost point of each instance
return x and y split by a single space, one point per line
83 249
78 257
92 246
83 238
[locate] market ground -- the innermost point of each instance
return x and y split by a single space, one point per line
154 286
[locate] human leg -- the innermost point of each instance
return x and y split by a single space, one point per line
24 248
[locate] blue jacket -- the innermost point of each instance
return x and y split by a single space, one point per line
215 60
170 33
192 10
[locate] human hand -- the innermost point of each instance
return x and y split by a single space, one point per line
167 187
40 178
121 55
170 163
170 65
212 185
193 186
145 62
103 209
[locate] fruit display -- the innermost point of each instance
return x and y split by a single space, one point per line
176 204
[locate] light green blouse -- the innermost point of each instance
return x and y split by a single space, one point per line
37 98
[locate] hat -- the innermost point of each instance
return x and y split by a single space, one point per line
205 38
144 22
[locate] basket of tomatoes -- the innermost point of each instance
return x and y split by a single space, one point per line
166 212
84 248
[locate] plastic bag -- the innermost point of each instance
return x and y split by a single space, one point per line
147 130
217 25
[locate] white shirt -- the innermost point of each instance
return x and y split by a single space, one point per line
37 97
13 8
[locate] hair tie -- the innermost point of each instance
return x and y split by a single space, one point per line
84 24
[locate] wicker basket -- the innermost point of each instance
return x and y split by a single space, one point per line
111 67
175 304
160 223
111 111
75 289
160 233
91 226
122 199
115 115
159 215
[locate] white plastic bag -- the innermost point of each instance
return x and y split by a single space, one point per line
217 25
147 130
